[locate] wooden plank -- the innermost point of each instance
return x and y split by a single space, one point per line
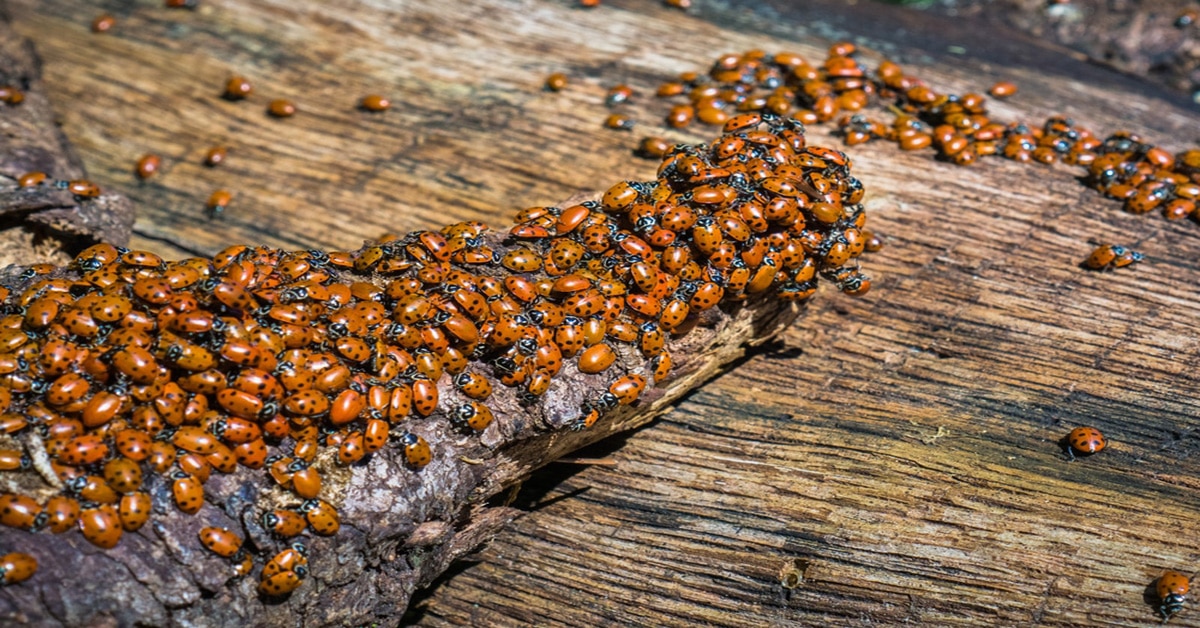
980 327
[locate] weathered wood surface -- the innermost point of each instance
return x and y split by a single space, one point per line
907 463
43 222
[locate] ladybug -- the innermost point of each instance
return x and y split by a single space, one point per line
195 465
21 511
243 567
474 415
136 363
93 488
653 147
627 389
282 583
306 403
424 396
651 339
662 366
618 94
194 439
237 88
284 523
347 406
83 189
587 419
375 436
1172 588
220 541
556 82
375 103
400 403
188 492
743 122
31 179
236 430
596 359
321 517
134 511
417 452
215 156
62 513
293 558
123 475
619 122
680 116
1003 89
148 166
1107 256
352 449
1085 441
17 567
539 383
306 480
473 385
674 314
619 197
101 526
217 203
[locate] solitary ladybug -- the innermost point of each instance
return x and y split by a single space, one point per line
1085 441
1172 587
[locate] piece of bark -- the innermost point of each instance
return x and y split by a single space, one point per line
400 529
43 224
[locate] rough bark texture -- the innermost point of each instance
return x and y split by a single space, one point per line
44 224
903 457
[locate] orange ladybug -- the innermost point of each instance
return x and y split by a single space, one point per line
282 583
1085 441
17 567
220 541
1172 588
416 450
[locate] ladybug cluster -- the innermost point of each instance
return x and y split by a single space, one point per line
1145 176
957 127
143 377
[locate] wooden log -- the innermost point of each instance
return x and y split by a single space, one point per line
399 528
906 465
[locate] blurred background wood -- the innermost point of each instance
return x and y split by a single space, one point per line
899 452
42 223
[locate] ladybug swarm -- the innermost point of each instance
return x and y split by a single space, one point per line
957 127
141 376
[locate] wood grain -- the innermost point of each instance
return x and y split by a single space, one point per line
41 224
906 461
